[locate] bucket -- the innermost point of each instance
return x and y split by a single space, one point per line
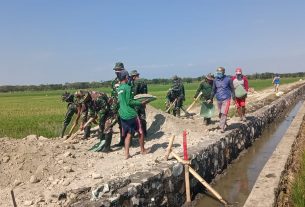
207 110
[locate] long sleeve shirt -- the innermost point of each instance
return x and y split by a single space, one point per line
127 102
223 89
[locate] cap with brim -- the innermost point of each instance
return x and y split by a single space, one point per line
119 66
210 77
134 73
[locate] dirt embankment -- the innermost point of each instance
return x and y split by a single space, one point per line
291 169
39 169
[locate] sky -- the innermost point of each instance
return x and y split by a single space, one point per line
59 41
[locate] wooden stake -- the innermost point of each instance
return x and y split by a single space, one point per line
187 183
169 148
201 180
171 106
13 198
194 101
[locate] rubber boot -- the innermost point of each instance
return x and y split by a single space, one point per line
108 138
63 131
87 132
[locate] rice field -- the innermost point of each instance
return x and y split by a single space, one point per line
42 113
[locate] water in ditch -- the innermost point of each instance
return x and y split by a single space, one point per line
236 185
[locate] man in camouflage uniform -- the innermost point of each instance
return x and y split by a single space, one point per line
82 98
72 108
119 66
139 86
99 105
176 96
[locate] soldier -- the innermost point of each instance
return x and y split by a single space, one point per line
119 67
99 105
82 98
175 96
72 108
139 86
205 88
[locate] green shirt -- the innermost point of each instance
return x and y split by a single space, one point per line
127 103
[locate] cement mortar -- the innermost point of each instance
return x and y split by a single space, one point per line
164 184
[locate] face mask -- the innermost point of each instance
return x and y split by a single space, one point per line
239 76
218 75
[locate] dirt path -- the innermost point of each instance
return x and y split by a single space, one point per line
39 169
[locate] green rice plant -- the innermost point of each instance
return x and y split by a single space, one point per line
298 186
42 113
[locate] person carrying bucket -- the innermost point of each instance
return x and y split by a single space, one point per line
224 90
276 82
204 91
241 87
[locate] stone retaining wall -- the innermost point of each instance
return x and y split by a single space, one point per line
164 185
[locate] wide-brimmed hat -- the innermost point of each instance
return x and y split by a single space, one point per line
119 66
134 73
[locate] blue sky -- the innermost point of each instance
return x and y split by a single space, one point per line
58 41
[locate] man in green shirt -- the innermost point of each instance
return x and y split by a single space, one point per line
130 121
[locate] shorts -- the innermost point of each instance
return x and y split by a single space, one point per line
240 102
131 126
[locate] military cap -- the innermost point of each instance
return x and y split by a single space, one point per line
134 73
119 66
210 76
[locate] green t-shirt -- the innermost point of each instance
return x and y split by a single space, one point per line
127 103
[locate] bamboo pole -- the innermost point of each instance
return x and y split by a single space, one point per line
201 180
171 106
187 183
169 148
194 101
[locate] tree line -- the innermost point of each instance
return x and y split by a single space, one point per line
95 84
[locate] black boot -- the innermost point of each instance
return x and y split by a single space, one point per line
63 131
108 138
87 132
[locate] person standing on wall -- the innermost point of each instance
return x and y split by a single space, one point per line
205 89
241 87
130 121
139 86
118 68
224 90
276 82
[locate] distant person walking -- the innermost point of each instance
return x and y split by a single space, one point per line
276 82
224 90
205 90
130 121
241 87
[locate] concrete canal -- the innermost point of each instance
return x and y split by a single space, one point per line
237 182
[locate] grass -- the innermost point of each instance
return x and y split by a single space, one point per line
42 113
298 186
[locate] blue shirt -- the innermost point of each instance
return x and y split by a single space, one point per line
223 88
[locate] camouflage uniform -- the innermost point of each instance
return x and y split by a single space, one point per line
139 87
106 109
71 110
114 95
205 88
176 96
